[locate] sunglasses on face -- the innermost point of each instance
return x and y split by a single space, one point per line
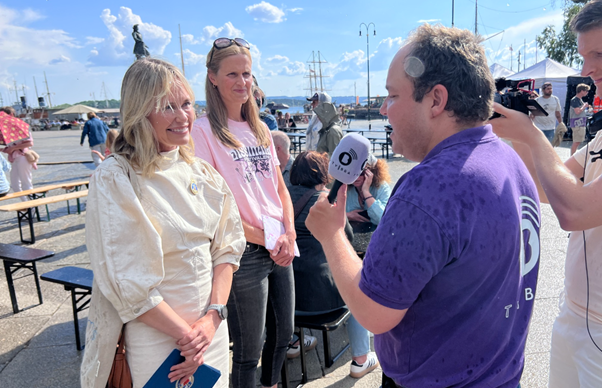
222 43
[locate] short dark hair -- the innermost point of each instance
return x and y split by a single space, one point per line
309 169
588 18
583 88
455 59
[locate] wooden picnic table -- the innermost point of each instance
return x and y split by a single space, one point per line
296 140
24 210
40 192
16 258
375 137
44 189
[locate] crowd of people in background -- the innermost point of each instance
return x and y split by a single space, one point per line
447 292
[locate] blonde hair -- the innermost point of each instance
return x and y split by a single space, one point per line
145 86
217 113
111 136
91 115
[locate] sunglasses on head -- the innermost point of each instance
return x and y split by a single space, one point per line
222 43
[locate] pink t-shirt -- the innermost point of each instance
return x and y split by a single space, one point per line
250 171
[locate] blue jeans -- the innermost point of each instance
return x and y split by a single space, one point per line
359 338
549 134
262 297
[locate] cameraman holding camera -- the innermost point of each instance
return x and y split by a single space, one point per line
576 354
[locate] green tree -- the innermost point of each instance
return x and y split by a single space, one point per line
562 47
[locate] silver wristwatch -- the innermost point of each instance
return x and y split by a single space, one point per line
222 310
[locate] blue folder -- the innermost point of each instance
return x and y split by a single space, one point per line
204 377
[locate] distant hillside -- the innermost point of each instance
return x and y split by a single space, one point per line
300 100
95 104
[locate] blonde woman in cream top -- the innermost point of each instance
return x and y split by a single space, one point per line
163 243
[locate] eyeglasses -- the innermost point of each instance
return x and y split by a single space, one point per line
222 43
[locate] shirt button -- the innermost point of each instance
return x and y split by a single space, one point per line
136 310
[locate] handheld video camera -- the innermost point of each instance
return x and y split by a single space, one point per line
518 97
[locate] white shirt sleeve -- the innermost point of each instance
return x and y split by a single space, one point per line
124 248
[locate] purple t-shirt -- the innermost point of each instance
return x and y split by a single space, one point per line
458 246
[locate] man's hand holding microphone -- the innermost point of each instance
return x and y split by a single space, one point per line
327 218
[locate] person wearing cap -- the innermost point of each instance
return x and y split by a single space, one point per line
551 104
312 134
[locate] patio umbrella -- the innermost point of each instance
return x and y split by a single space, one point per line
13 131
79 109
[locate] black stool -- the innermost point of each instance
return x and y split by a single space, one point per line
325 322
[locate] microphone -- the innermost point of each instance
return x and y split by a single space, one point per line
348 161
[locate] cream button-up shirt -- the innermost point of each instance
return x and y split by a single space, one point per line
162 246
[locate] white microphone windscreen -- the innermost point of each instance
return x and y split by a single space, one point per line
349 158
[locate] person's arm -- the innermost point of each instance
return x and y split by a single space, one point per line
284 249
227 247
557 111
576 205
128 271
333 138
84 133
197 340
377 204
580 109
326 222
101 156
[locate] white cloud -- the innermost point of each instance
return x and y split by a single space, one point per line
277 60
295 10
498 47
61 59
91 40
353 64
210 33
23 46
266 12
116 51
421 21
293 68
192 58
29 15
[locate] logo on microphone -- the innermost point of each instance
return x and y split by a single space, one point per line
345 158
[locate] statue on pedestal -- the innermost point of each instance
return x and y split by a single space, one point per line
140 49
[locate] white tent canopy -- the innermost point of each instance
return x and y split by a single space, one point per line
548 70
498 71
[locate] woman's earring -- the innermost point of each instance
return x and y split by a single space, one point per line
214 86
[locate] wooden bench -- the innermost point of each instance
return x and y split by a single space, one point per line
15 258
79 282
40 192
24 211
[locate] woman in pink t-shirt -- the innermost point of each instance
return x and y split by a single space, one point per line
233 139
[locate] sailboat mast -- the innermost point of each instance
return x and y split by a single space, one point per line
47 91
320 67
36 88
181 51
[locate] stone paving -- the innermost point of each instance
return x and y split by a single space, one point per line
37 346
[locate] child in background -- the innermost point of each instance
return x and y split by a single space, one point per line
4 169
111 136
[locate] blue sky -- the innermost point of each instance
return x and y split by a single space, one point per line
83 44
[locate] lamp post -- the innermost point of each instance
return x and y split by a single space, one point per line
368 57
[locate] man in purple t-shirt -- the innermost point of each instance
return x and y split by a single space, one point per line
448 281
